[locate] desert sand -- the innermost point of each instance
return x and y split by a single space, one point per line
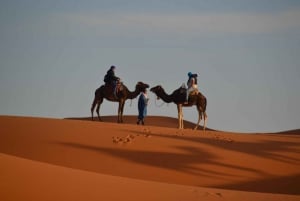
79 159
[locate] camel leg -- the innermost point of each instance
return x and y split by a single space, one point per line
120 111
178 115
93 107
180 118
98 109
204 124
95 102
181 111
199 119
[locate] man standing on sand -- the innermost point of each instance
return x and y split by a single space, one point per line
142 106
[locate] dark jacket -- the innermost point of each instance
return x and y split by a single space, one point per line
110 76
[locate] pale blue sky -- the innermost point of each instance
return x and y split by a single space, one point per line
54 54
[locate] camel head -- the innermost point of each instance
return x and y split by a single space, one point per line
140 86
156 89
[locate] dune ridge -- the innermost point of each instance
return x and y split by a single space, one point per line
160 121
171 122
130 162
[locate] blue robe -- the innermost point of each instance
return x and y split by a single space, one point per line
142 106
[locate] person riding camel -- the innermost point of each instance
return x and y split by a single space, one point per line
192 85
111 79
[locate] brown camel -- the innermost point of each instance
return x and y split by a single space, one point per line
178 97
106 91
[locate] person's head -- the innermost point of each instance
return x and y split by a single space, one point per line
190 74
112 67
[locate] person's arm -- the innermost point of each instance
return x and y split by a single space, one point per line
145 100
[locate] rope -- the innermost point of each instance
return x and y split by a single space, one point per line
157 104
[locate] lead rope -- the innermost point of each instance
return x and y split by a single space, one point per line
157 104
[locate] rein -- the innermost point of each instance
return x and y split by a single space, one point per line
157 104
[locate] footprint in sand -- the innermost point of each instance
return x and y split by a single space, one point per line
223 139
213 194
179 133
117 140
125 140
147 131
130 138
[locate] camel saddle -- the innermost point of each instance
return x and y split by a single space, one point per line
183 90
119 86
195 92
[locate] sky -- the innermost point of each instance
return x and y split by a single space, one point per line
54 55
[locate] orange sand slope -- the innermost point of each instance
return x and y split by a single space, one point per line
51 159
150 121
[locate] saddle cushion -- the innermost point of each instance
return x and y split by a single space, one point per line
195 92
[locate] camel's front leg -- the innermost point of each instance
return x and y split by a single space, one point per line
181 111
180 116
120 111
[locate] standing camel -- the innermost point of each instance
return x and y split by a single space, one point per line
106 91
178 97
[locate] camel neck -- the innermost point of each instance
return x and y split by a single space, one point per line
133 94
165 97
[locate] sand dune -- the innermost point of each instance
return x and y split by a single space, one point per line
54 159
168 122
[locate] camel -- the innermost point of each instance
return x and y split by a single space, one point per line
106 91
178 97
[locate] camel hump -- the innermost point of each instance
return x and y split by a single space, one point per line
182 90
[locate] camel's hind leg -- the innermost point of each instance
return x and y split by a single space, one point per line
98 109
98 103
200 115
205 118
199 119
93 107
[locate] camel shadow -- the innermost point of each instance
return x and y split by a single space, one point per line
270 149
189 160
